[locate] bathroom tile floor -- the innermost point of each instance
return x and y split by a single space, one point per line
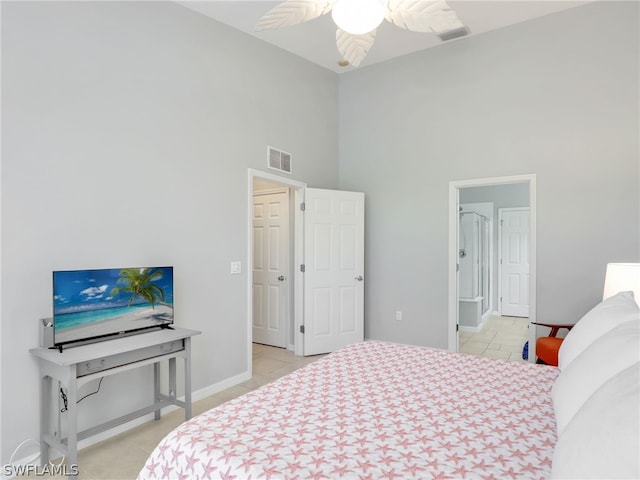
500 337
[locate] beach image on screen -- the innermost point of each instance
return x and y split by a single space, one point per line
94 303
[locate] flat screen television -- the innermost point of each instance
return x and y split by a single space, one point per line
89 305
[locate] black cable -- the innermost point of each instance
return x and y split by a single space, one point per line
92 393
66 401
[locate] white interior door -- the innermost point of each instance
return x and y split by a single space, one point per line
514 262
334 270
271 268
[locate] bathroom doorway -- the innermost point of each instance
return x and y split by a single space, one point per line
475 293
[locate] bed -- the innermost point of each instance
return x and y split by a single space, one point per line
377 410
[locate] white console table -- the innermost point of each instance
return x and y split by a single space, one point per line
76 366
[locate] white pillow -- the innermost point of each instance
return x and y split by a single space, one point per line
603 439
602 360
599 320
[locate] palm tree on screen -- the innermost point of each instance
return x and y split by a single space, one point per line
139 283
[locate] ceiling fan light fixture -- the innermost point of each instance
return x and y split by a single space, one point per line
358 16
358 20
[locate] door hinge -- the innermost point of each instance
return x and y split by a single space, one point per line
302 268
301 328
303 206
457 267
457 327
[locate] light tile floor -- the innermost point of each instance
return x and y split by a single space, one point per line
500 337
123 456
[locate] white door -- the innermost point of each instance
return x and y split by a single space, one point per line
334 270
271 268
514 262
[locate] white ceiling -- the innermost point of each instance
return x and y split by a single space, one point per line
315 40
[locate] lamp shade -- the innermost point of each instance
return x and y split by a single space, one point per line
358 16
622 277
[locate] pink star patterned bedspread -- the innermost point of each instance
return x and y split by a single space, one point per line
375 411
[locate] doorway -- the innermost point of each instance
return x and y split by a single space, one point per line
271 265
327 273
475 191
260 181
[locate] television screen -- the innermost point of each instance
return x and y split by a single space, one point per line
89 304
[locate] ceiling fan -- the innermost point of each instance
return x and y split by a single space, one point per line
358 20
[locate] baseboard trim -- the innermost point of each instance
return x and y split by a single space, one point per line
465 328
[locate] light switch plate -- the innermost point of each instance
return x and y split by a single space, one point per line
236 268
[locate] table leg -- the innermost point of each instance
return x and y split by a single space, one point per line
187 378
45 412
72 418
173 393
156 388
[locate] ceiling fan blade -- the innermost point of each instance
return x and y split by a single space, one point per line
422 15
354 48
293 12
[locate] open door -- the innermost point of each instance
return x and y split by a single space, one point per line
333 270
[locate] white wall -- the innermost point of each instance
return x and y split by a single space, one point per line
127 130
556 96
502 196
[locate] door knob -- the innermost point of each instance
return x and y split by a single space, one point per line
359 278
281 278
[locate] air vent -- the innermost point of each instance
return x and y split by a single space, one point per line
279 160
453 34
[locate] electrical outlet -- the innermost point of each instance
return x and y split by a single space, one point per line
398 315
